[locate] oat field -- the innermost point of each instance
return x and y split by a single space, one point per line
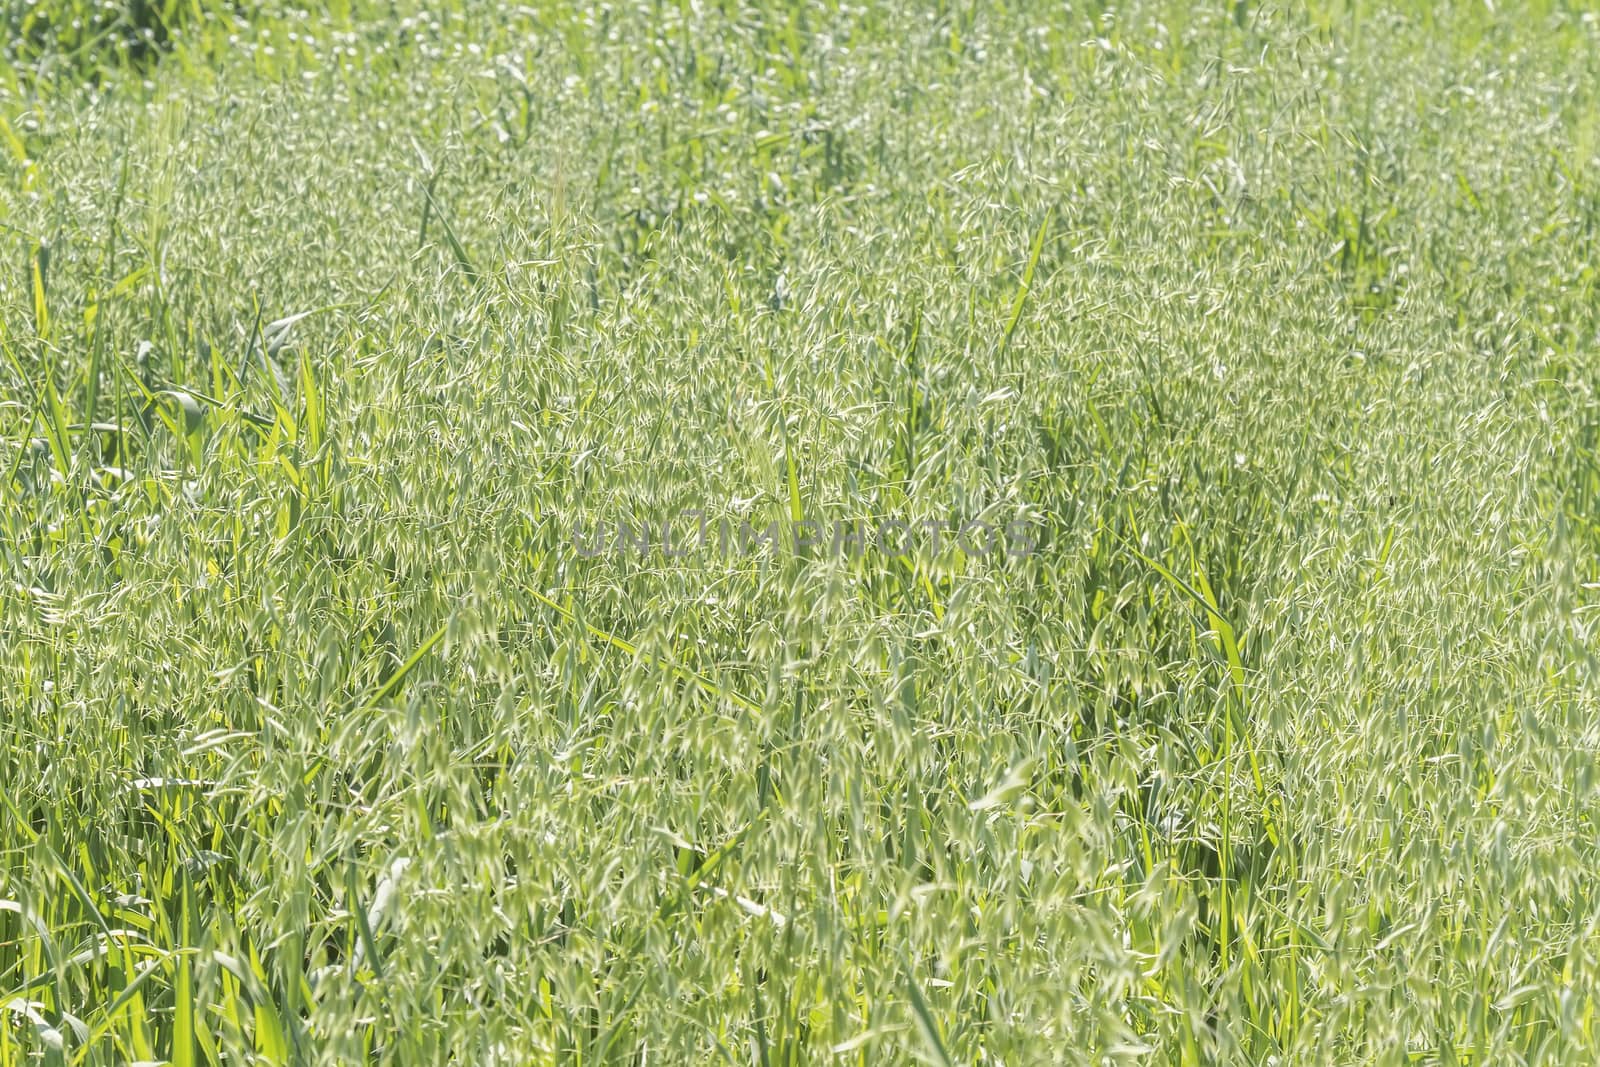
799 532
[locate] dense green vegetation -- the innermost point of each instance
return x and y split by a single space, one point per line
325 332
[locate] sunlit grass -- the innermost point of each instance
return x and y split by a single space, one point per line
322 335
